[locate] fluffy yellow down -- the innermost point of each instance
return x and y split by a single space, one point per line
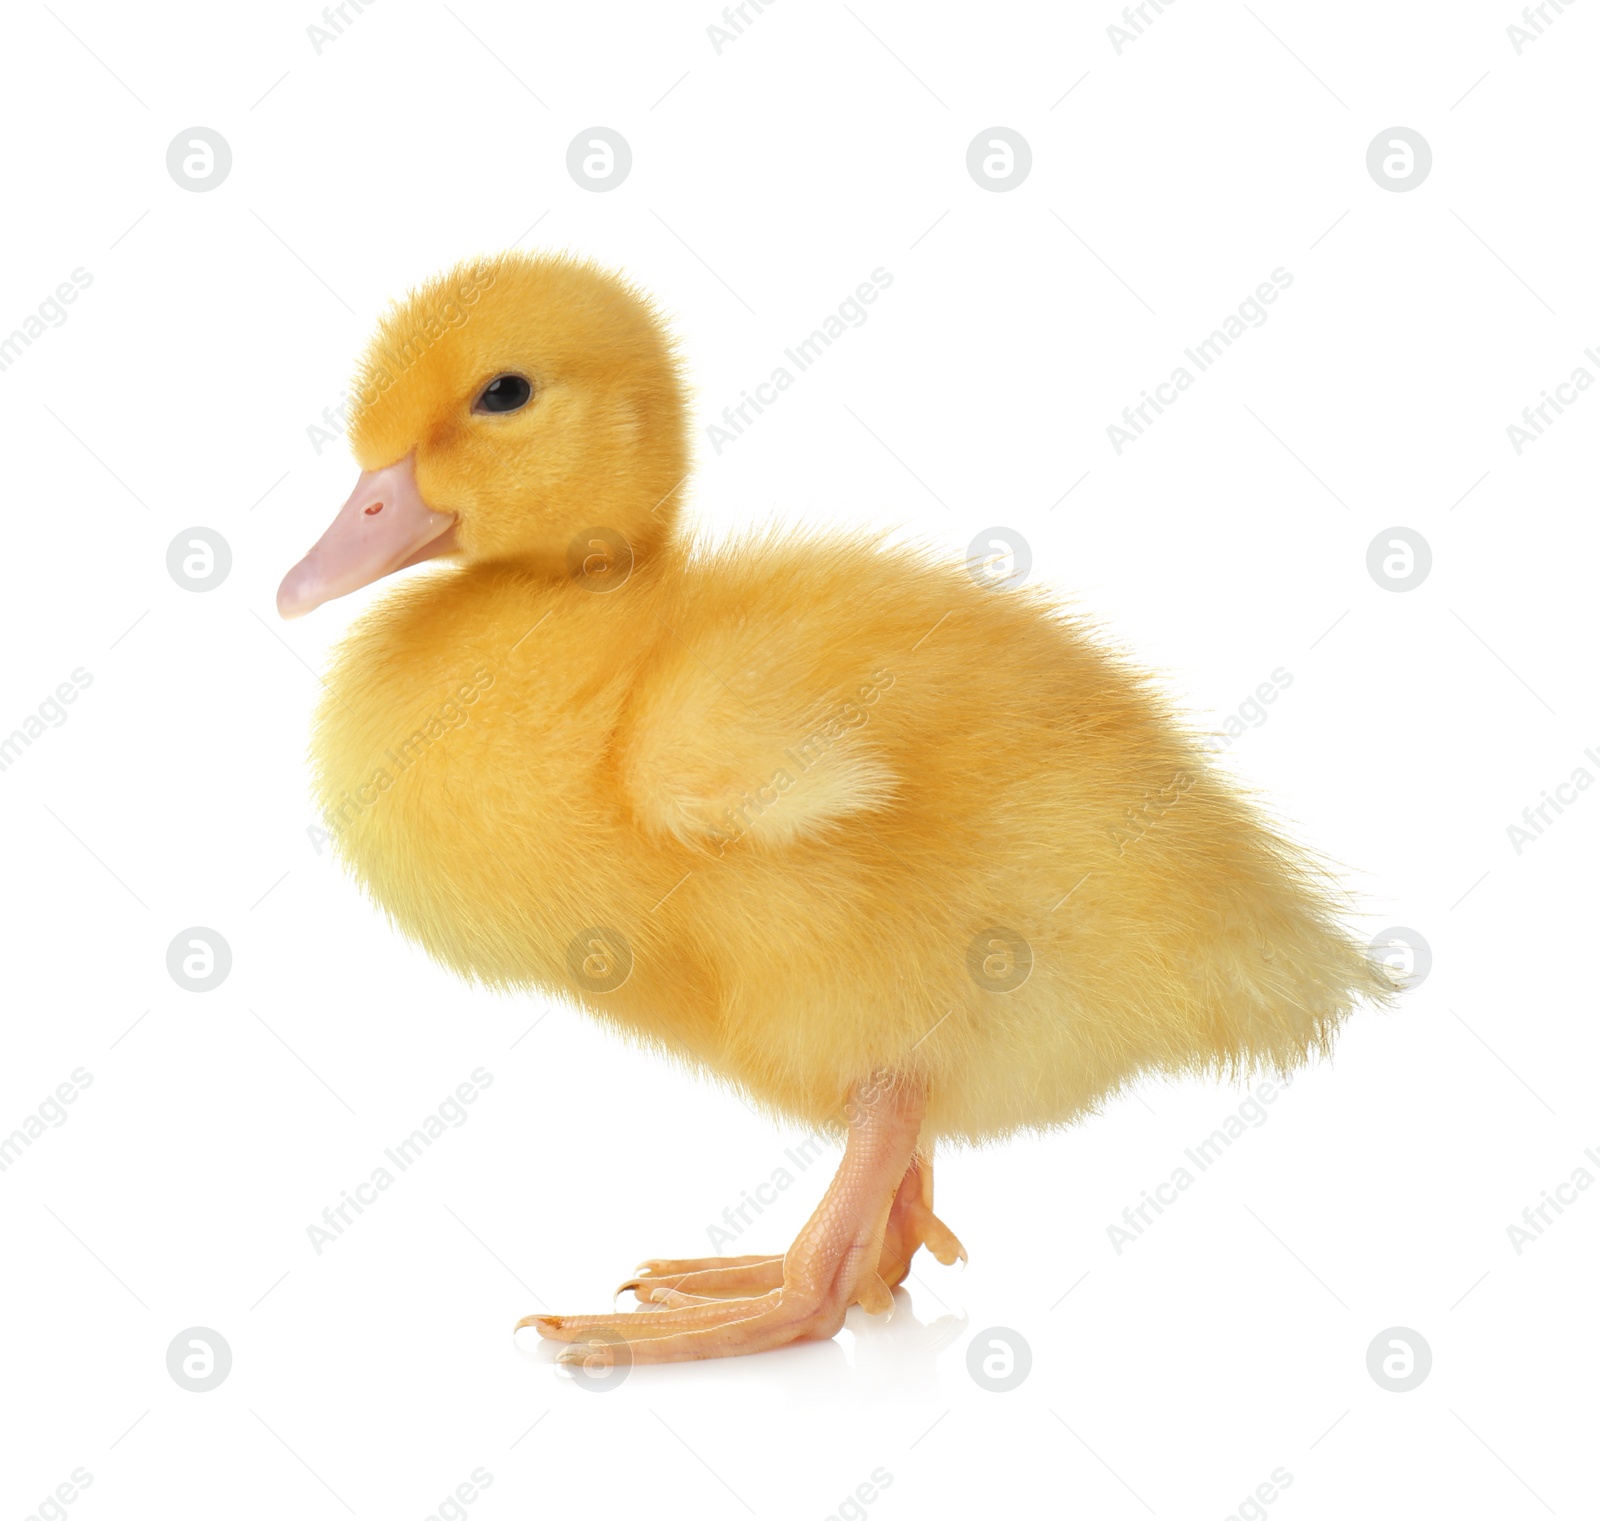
820 802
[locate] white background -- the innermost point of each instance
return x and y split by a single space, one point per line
768 181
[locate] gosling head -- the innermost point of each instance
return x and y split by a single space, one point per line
501 411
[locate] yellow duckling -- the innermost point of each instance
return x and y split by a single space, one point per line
893 851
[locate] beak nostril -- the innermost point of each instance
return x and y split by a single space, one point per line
349 555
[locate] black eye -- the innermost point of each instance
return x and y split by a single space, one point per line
505 393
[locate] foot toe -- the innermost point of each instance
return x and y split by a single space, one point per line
710 1277
874 1295
938 1237
720 1328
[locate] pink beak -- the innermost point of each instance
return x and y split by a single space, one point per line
384 527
